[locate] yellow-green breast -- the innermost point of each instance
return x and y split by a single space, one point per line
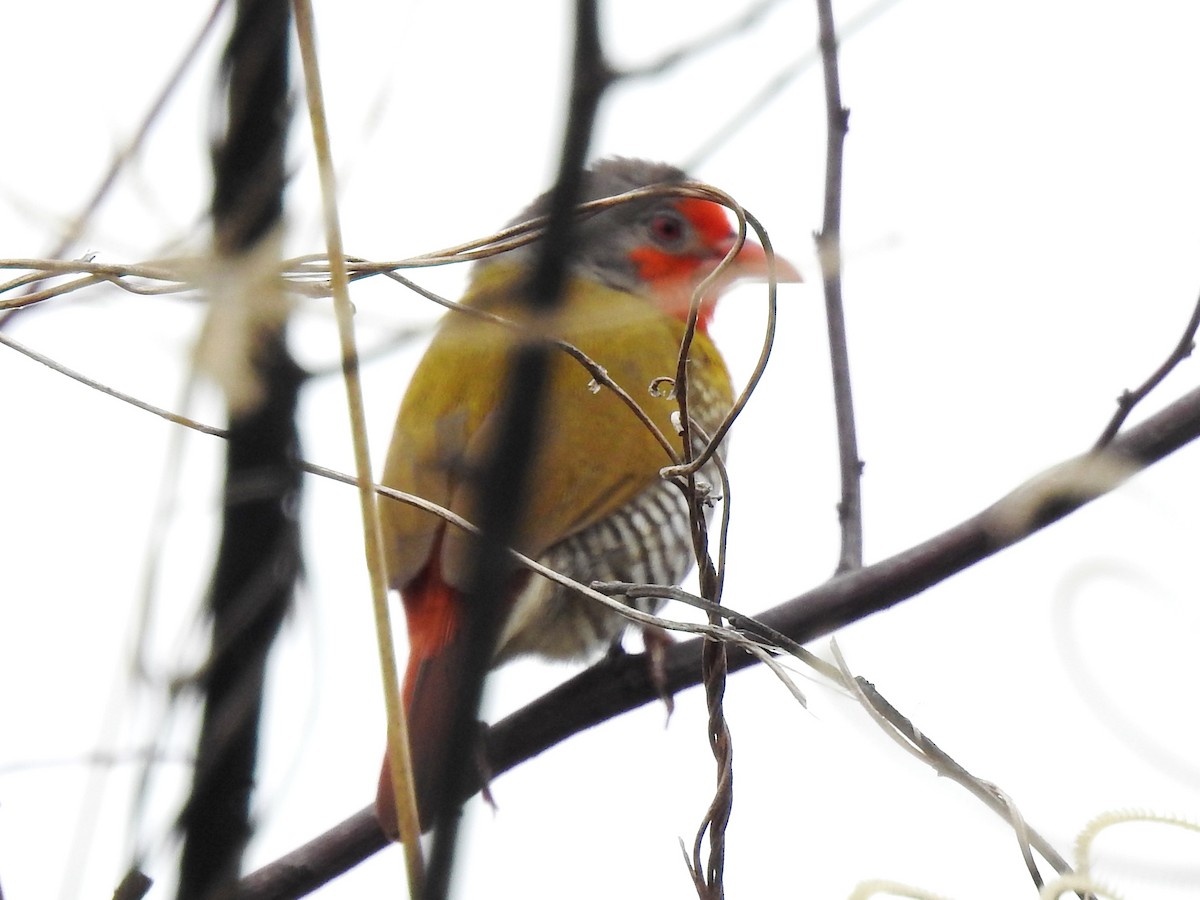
594 455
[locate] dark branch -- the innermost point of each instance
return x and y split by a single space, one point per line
134 886
1129 399
617 685
503 478
259 556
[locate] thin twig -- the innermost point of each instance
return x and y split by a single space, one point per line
756 631
707 879
309 275
760 365
1129 399
779 82
829 252
750 626
715 38
81 221
923 748
112 392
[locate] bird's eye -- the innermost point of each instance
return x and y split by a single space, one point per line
667 228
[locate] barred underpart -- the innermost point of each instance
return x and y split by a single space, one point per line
646 541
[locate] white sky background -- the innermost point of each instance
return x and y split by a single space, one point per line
1021 244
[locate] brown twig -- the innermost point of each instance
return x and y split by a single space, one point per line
718 435
709 879
1129 399
829 252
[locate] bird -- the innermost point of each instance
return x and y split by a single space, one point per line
596 507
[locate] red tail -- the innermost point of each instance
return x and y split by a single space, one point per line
432 683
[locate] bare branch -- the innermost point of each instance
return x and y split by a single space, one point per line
829 252
776 86
715 38
112 392
1129 399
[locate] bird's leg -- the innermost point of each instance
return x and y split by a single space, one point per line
657 642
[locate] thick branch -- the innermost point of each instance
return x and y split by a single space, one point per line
259 557
503 479
618 685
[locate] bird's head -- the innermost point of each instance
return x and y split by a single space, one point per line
659 248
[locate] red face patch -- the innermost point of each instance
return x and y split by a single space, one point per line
709 219
674 274
711 226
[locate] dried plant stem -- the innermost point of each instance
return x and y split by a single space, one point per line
697 460
900 728
398 743
81 221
